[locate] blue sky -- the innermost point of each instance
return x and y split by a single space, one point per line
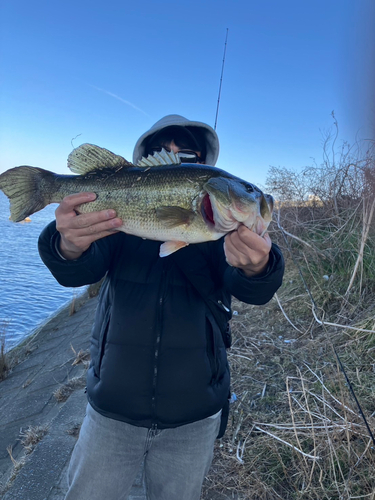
104 72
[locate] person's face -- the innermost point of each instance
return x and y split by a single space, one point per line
186 155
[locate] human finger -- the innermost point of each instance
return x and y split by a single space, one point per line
74 200
246 237
233 256
91 219
106 225
246 250
74 242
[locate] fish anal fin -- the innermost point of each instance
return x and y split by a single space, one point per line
170 247
172 217
89 157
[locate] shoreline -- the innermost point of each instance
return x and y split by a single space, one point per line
27 345
34 330
49 363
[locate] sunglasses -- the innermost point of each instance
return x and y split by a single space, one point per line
185 155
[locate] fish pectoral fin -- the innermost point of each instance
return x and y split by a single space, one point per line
89 157
172 217
170 247
160 158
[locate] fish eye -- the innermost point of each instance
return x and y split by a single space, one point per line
249 188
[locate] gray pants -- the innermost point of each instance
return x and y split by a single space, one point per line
109 453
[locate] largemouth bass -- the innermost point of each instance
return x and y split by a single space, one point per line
158 199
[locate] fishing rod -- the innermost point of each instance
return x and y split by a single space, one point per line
221 79
321 322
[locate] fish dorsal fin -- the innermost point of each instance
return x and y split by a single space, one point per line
89 157
160 158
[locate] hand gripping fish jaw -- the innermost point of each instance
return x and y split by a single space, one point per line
233 203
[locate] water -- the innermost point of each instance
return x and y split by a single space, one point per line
28 291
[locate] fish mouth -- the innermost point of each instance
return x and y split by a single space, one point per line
207 210
216 216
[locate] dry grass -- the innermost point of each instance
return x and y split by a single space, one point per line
4 364
17 466
81 357
75 430
295 431
4 361
72 306
94 289
64 391
29 438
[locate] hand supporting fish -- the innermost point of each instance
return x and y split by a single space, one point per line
79 231
247 250
158 199
243 248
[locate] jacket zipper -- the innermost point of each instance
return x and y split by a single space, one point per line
223 306
156 356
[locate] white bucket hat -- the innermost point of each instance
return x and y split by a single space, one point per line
205 131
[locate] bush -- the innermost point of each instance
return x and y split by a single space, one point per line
295 431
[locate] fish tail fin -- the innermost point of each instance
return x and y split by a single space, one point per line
26 189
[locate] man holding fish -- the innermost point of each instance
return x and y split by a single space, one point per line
158 383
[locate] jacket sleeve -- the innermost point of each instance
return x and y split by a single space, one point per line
259 289
89 268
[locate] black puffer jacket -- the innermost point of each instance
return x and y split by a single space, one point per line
158 356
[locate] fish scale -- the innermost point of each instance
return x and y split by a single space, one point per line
158 199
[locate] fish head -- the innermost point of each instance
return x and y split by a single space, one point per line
230 202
